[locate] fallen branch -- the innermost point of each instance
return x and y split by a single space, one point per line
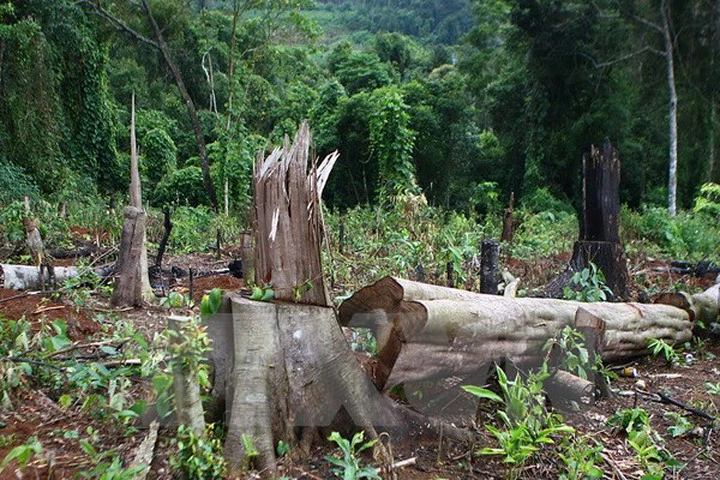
671 401
29 294
27 360
78 346
403 463
47 309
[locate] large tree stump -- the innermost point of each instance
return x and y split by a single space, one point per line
292 371
288 368
599 240
600 220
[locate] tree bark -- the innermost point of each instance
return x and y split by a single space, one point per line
489 274
599 240
167 223
673 130
446 332
508 221
291 370
132 284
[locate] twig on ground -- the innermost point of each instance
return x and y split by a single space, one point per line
28 294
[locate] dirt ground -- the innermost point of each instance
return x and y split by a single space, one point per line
38 412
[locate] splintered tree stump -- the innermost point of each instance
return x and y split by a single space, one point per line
285 367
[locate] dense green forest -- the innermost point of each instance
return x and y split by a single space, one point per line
466 101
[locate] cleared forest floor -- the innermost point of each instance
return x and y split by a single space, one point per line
60 424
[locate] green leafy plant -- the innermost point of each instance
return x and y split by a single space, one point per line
647 444
658 346
350 468
282 448
574 356
526 422
211 303
188 348
251 451
23 453
712 388
588 285
264 294
107 465
680 426
651 455
581 456
176 300
630 419
198 457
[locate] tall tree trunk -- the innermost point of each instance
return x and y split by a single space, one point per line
672 170
189 104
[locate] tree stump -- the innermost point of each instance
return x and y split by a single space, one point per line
132 283
489 273
288 368
599 240
508 229
287 214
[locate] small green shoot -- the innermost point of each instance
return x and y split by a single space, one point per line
349 464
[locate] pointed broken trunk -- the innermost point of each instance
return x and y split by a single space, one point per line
132 283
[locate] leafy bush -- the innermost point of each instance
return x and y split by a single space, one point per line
15 183
541 200
543 234
686 236
182 187
708 200
588 285
198 457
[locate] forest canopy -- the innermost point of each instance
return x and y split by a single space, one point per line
463 100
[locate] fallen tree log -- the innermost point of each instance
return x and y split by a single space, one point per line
570 387
426 331
27 277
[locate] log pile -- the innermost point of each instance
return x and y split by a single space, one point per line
426 331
